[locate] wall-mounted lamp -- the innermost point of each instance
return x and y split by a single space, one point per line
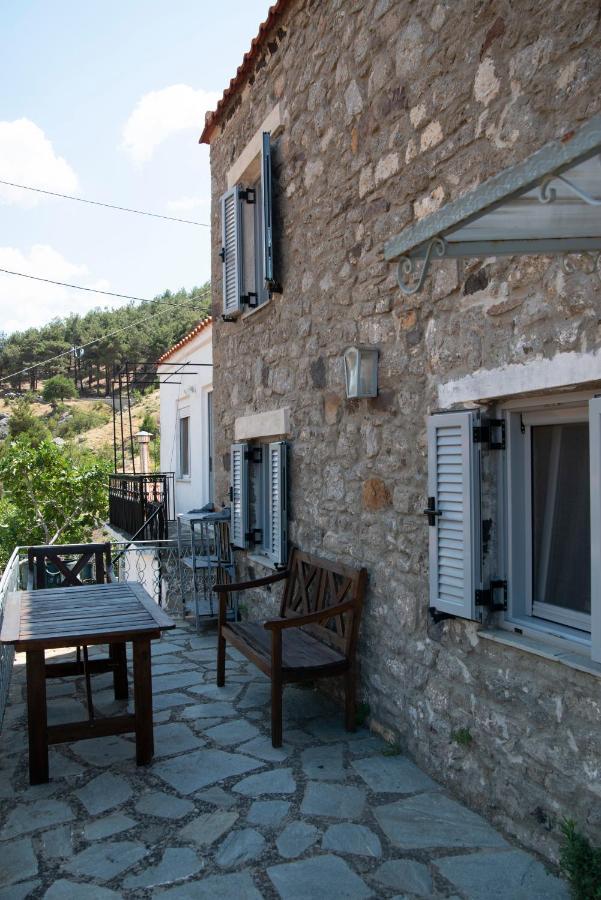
361 371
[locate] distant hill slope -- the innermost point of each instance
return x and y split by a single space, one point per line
144 332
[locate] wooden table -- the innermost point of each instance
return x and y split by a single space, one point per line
35 621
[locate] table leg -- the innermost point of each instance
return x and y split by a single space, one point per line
143 701
37 717
119 657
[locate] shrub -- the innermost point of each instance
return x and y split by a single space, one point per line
23 423
581 863
59 387
82 420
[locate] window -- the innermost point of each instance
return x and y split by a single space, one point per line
514 509
184 447
247 240
258 495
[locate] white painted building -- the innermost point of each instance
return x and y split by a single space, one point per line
186 417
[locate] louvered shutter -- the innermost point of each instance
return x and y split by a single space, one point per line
239 495
277 511
231 251
595 475
267 204
454 492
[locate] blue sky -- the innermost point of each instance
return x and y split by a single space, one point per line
106 101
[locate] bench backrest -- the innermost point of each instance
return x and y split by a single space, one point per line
69 572
314 584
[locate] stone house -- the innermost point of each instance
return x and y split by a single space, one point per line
357 133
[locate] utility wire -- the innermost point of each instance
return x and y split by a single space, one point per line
139 212
109 334
76 287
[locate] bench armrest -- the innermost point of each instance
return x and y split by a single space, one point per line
247 585
322 615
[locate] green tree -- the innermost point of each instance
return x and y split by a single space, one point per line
48 496
59 387
23 423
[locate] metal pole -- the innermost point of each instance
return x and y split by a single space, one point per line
121 420
114 420
131 428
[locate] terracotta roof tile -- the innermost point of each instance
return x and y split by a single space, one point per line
187 338
213 119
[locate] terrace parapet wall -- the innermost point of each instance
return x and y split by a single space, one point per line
391 109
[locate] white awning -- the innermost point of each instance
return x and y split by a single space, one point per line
548 204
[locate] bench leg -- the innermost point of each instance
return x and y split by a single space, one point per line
37 717
350 693
143 701
119 658
276 711
220 659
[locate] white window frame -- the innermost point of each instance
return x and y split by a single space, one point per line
184 413
515 532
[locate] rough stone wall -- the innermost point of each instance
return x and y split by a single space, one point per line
391 109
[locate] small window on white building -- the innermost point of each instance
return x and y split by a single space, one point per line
184 447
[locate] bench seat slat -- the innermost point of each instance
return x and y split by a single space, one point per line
299 649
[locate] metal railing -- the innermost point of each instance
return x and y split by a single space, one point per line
10 581
136 499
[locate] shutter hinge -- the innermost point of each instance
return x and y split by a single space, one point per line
254 454
491 432
222 254
431 512
251 299
248 194
231 493
228 318
438 616
254 536
486 597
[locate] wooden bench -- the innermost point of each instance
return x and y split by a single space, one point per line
314 637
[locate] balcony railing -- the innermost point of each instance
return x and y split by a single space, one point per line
9 582
142 505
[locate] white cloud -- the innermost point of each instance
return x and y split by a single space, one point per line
25 303
28 157
187 204
159 114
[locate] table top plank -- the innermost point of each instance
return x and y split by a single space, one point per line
52 615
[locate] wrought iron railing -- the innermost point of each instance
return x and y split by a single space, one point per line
10 581
142 505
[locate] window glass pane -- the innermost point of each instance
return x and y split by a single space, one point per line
184 446
561 550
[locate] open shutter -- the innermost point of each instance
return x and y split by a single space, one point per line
267 203
595 474
239 495
454 498
231 251
277 511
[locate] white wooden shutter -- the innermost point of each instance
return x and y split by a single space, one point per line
267 204
239 495
595 475
277 503
231 251
454 493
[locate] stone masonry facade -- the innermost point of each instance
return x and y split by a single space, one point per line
389 110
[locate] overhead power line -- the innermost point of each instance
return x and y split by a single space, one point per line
138 212
76 287
108 334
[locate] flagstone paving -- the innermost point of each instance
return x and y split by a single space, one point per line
221 814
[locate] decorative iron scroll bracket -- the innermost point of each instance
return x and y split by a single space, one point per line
548 194
406 266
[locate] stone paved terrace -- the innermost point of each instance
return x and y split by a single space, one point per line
220 814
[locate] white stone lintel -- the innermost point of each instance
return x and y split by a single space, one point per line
245 166
539 374
262 425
